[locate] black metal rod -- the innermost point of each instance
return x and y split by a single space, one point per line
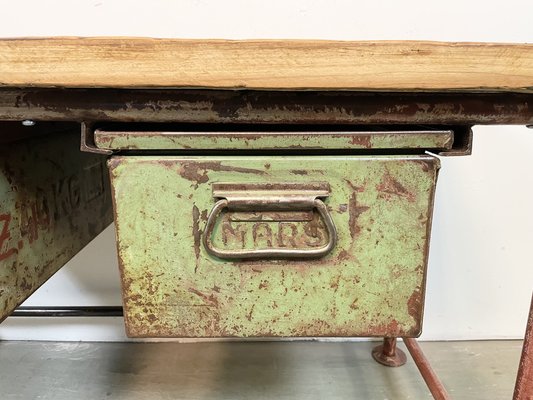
69 311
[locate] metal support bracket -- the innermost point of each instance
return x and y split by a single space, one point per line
87 143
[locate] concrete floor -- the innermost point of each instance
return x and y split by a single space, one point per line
248 370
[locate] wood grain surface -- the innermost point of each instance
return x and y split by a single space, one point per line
266 64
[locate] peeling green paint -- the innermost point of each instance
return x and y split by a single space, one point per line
371 284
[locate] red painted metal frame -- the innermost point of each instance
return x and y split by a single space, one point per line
389 355
433 382
524 380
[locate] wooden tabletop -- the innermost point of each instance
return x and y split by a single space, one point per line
266 64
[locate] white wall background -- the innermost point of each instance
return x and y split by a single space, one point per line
480 273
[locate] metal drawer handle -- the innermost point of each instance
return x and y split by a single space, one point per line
245 200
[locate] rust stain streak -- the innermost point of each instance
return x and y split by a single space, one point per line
414 304
197 234
390 186
212 300
197 171
362 140
249 315
354 212
299 172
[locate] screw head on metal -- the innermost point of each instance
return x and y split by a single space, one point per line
28 122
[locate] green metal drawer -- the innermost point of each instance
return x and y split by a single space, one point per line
271 245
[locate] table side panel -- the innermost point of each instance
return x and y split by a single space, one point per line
53 201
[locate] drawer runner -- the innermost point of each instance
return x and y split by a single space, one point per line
117 140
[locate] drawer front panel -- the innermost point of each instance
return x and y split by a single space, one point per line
370 283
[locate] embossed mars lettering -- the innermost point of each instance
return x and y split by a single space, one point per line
273 234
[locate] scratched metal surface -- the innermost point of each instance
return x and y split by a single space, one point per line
371 284
260 107
127 140
53 201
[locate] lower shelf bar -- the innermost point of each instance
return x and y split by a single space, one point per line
435 386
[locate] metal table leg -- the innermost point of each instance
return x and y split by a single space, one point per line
524 381
433 382
388 354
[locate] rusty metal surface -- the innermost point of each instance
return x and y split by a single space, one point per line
389 354
274 107
53 201
433 382
371 284
524 381
149 140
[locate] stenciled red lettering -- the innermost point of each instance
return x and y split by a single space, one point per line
4 237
